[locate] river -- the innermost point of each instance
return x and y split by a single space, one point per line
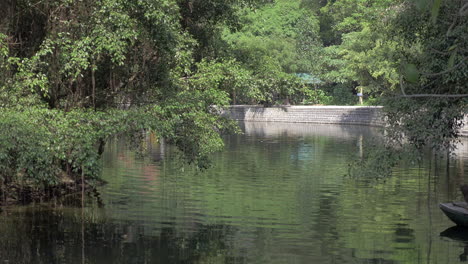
279 193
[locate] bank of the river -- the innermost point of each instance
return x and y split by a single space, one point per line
26 193
349 115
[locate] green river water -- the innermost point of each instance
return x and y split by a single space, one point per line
280 193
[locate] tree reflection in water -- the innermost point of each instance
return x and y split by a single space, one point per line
48 236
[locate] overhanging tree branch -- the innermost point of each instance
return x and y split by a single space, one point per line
434 95
464 10
446 71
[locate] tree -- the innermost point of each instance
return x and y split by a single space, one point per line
430 105
274 37
275 41
79 72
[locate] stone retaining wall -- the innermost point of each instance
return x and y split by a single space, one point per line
352 115
464 129
279 129
355 115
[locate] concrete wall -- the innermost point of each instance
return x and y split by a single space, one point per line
464 129
355 115
352 115
279 129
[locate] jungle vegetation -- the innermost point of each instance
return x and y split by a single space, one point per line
74 73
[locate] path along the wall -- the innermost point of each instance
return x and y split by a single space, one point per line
350 115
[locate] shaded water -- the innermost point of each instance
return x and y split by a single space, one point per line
278 194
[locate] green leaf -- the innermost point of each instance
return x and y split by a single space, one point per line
435 10
453 47
411 73
451 61
422 4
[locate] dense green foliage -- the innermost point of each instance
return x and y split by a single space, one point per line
275 42
434 71
408 55
74 73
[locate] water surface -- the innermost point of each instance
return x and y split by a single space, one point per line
280 193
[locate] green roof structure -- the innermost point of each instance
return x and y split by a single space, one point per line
308 78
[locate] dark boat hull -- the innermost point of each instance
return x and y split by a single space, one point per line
457 212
